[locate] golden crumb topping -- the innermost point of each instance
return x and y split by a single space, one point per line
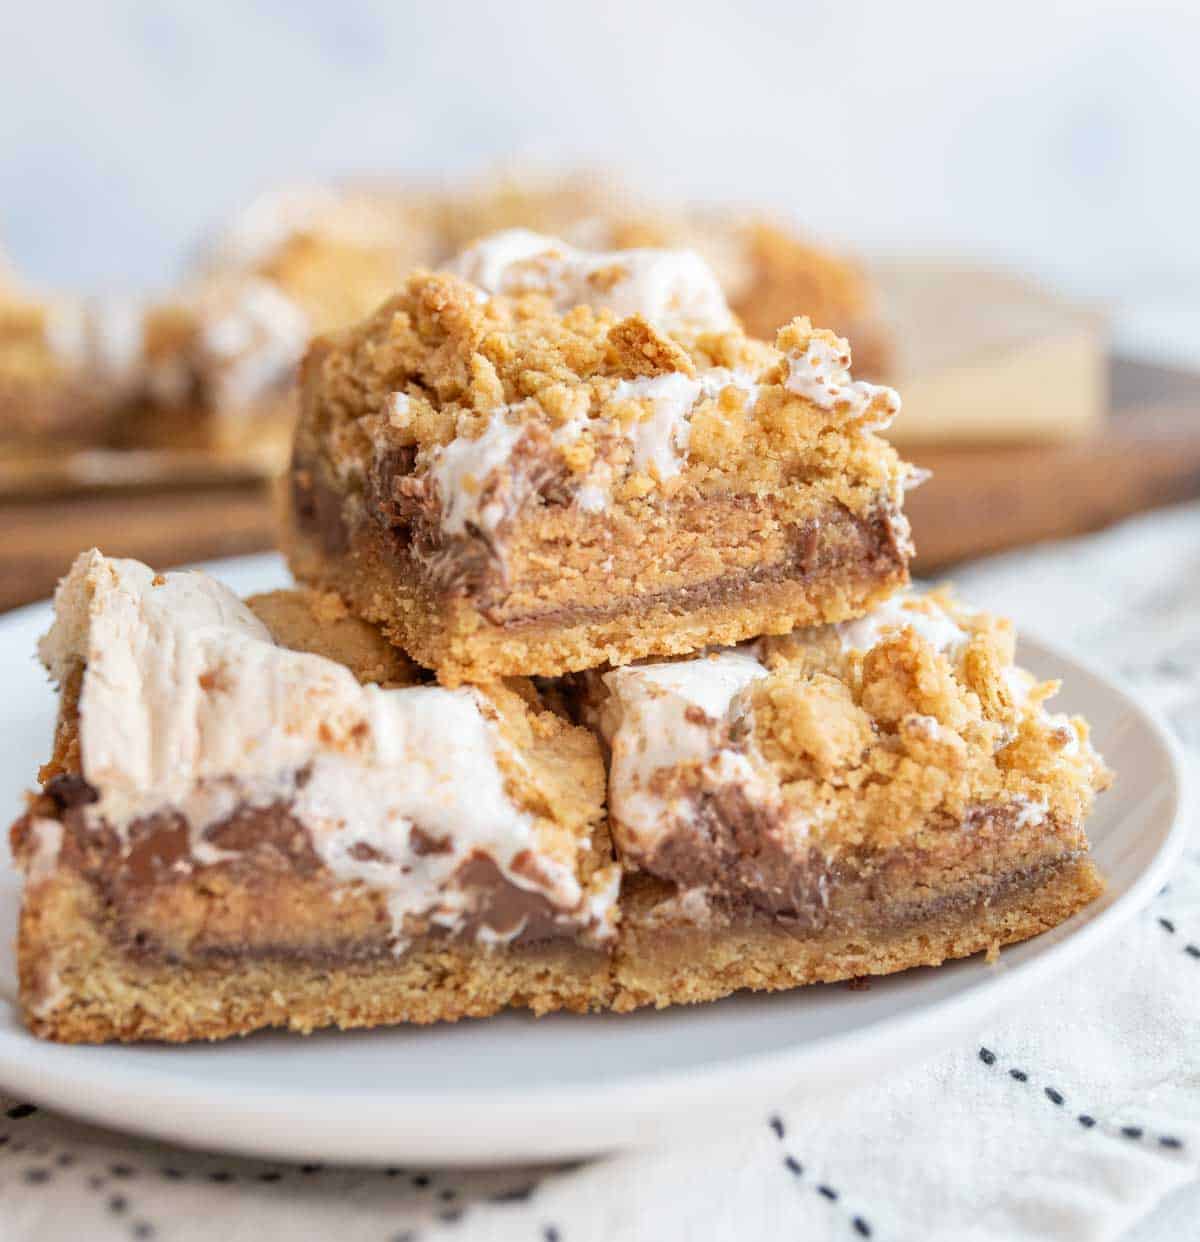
475 388
918 711
874 733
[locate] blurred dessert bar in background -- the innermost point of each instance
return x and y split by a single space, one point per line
211 369
546 458
334 251
209 366
66 366
218 371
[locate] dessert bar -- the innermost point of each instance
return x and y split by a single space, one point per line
254 816
212 368
65 366
335 251
218 370
545 459
840 802
260 814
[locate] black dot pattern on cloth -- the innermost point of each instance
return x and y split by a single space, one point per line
432 1201
1089 1122
65 1163
1191 948
519 1194
831 1194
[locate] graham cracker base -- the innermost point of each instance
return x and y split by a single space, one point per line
80 985
661 965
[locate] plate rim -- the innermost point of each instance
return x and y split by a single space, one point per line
195 1111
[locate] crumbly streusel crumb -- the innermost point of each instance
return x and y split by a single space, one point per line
933 717
440 361
871 733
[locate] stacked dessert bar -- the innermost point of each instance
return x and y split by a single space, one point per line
603 688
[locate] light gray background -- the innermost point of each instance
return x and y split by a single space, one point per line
1059 137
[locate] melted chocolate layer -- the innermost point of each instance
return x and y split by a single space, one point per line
738 853
253 848
399 503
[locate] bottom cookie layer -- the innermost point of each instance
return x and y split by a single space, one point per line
662 965
80 986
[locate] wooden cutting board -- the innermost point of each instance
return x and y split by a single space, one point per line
980 499
1145 454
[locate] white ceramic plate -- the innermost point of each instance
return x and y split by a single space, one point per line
514 1088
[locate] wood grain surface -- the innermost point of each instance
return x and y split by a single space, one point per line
979 500
161 526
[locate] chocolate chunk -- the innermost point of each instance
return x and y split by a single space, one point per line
504 908
68 790
318 507
422 843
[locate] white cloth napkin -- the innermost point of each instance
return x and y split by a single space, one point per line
1070 1118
